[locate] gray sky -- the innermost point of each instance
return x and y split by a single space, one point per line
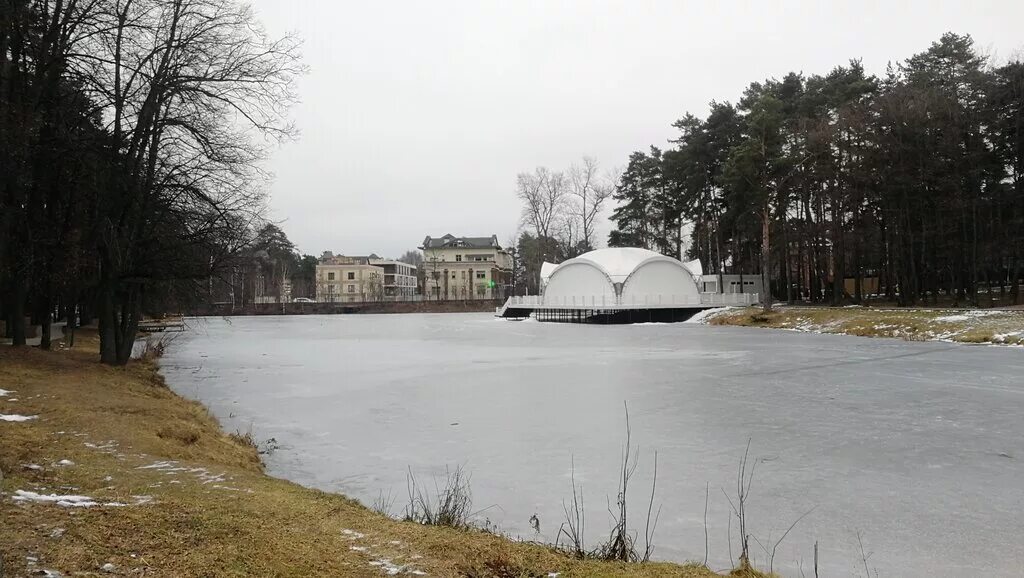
417 116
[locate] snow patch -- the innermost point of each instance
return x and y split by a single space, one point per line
5 392
73 501
352 534
16 417
67 501
392 569
65 462
703 316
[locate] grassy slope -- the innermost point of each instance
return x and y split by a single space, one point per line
243 524
984 326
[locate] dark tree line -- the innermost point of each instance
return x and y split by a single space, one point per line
130 137
836 187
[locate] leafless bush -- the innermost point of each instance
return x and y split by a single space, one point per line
744 481
154 347
450 506
864 557
575 520
774 546
249 440
621 544
245 439
383 503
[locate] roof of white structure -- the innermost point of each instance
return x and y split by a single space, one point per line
619 262
546 269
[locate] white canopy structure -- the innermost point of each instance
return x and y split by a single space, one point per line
622 275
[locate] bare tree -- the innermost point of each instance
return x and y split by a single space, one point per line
185 86
588 192
543 195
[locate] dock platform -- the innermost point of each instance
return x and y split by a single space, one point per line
606 309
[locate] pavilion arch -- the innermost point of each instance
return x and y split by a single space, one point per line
660 279
580 281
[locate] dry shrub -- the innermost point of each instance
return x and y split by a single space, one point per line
501 568
245 439
760 318
182 433
451 504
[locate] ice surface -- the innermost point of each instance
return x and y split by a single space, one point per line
917 446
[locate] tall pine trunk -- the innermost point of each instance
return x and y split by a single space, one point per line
766 292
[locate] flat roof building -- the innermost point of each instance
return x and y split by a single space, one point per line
349 280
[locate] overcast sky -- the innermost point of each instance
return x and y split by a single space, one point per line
417 116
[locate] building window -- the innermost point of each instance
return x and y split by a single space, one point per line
351 275
481 274
458 258
330 276
453 274
351 288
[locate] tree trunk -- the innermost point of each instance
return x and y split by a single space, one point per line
17 311
766 292
131 310
107 320
45 325
71 322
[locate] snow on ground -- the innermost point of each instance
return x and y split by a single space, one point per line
205 476
706 314
5 392
68 501
74 501
389 566
16 417
966 316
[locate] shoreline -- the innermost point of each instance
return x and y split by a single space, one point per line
112 472
1004 327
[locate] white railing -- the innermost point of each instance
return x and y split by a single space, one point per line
601 301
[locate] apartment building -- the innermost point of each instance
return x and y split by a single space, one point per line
399 278
465 268
341 279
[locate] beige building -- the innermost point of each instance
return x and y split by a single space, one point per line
341 279
465 268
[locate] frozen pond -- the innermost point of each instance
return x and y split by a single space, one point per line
918 447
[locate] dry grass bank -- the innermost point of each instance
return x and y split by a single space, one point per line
973 326
175 496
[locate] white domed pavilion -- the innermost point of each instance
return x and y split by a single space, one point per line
622 275
618 285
